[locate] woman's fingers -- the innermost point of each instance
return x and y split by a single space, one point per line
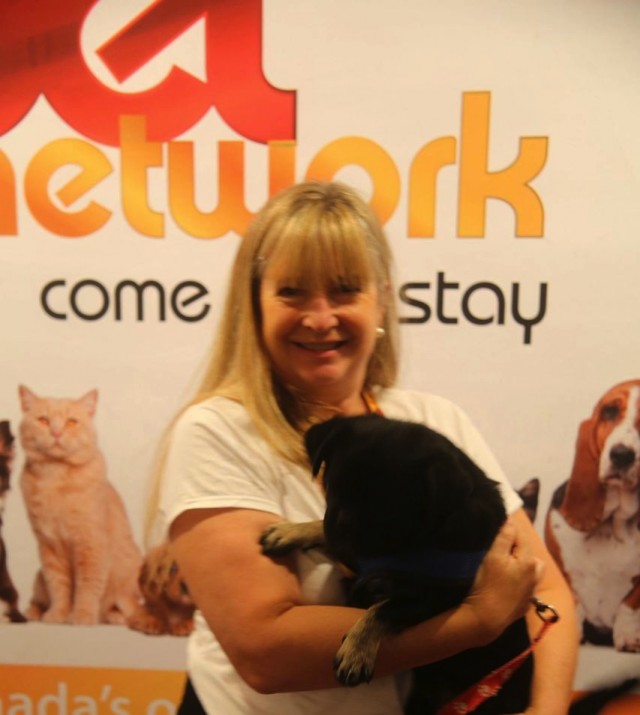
506 579
520 548
506 540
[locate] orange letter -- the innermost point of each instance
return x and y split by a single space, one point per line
282 158
372 158
477 183
422 185
231 214
136 156
94 167
8 219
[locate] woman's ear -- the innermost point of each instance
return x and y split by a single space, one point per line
384 298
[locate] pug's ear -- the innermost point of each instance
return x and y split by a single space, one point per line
318 440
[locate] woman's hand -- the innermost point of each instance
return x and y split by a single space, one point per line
505 582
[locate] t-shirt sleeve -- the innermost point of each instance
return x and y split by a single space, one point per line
216 459
469 439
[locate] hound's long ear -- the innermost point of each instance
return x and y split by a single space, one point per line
583 504
318 440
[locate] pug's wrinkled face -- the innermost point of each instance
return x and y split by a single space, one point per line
392 486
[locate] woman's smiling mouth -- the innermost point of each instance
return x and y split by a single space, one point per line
320 347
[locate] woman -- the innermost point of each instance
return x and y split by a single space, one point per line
308 331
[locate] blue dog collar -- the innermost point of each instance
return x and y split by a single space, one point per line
432 563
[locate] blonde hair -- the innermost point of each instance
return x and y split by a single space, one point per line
325 231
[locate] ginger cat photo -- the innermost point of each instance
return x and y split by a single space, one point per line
89 560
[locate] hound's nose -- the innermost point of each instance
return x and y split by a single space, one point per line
622 456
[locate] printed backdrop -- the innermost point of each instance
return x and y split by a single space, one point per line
498 141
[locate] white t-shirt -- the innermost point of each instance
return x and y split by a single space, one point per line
217 459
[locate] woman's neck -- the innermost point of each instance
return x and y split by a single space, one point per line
348 407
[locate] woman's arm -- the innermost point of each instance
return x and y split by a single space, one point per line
556 655
253 604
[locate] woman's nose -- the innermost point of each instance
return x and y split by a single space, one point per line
320 315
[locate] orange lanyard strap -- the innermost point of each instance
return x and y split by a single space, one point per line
371 403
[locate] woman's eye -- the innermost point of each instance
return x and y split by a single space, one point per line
289 292
346 289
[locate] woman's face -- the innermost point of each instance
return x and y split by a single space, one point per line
319 340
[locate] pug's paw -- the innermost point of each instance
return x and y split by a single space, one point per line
355 660
286 536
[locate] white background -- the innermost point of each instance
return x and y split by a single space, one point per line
394 73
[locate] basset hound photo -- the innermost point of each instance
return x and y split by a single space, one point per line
593 525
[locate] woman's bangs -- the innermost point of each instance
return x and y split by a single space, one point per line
320 249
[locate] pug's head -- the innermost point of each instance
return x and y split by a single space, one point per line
393 486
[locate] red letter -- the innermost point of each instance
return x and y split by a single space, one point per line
236 86
41 54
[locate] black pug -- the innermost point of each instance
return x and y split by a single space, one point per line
412 517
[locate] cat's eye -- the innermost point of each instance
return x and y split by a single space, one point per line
43 420
72 421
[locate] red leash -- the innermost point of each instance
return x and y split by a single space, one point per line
490 685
